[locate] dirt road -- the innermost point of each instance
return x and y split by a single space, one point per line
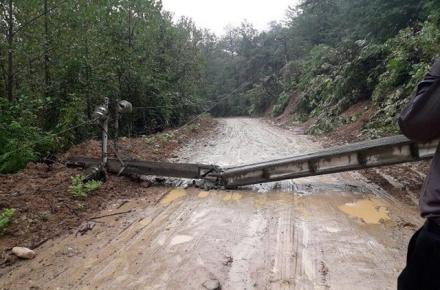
329 232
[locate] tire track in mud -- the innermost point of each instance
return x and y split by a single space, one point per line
317 265
142 244
285 270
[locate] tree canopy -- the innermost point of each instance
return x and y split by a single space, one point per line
59 59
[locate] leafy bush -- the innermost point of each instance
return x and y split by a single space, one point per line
281 104
5 218
71 114
388 73
80 189
411 54
336 78
21 138
26 135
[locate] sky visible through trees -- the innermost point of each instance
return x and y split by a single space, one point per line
217 15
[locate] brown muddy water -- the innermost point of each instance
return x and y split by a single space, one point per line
327 232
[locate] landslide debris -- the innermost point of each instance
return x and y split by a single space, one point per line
44 207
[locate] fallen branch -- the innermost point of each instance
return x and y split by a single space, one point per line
161 197
112 214
71 209
40 243
122 204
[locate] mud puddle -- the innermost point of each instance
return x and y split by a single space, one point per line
173 195
369 211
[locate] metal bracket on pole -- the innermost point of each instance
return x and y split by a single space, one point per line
102 114
105 135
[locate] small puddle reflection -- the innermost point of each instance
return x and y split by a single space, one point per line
232 196
369 211
180 240
173 195
203 194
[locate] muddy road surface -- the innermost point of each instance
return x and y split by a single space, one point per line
329 232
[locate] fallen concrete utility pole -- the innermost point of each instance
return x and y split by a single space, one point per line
375 153
182 170
380 152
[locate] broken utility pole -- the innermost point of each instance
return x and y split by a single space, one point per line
368 154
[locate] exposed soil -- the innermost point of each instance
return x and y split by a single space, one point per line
286 116
40 193
154 147
338 231
403 181
328 232
359 114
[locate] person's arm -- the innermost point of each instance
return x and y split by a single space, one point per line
420 120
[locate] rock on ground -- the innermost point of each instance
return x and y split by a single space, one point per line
23 253
212 284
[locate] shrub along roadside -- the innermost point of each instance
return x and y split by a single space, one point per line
80 189
387 74
5 218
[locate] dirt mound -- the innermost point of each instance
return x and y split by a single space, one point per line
286 116
402 181
40 193
154 147
358 115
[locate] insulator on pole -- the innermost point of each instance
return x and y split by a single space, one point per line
100 113
124 107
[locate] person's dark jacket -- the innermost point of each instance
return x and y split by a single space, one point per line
420 121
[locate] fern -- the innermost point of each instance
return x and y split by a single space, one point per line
80 189
5 218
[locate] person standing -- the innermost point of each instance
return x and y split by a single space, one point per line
420 121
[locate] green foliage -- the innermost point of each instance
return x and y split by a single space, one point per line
281 104
21 138
5 218
335 53
80 189
253 101
73 54
411 54
71 114
386 73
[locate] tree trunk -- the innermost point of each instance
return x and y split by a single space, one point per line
130 49
46 51
88 97
10 39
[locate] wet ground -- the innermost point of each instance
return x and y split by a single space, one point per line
328 232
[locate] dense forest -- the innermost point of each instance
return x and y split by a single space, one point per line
59 59
330 54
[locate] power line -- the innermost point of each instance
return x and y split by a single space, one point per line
51 136
113 145
165 106
209 109
27 23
